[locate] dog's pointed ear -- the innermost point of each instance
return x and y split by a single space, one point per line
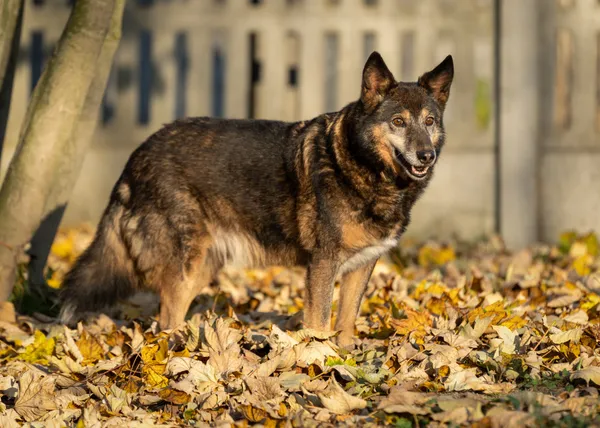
376 81
438 81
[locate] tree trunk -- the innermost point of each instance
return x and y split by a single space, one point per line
11 21
52 116
74 155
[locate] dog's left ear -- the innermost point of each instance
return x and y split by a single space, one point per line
438 81
377 80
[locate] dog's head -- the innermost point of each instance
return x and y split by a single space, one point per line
403 122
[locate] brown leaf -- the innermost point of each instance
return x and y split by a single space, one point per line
36 395
174 397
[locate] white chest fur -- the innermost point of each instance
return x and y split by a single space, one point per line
368 254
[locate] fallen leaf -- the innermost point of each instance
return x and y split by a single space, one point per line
40 350
117 399
174 396
201 376
36 395
509 339
313 352
291 381
565 336
338 401
90 348
589 374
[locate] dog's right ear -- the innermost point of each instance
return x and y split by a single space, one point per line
377 80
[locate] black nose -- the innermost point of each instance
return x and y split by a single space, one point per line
426 156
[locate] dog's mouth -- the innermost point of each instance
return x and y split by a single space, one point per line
417 172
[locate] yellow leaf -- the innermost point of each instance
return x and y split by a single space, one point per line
270 423
154 358
163 350
590 301
90 348
443 372
253 414
153 375
565 241
425 287
63 246
453 295
582 264
438 306
39 350
148 353
283 411
54 281
417 324
133 385
495 310
514 323
184 353
591 241
433 255
174 396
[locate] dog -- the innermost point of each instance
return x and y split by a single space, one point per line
333 194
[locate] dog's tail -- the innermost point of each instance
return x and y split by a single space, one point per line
102 274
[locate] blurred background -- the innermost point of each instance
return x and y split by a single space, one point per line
523 121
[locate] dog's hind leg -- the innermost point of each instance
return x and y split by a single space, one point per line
353 285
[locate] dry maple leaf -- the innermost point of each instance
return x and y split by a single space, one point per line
589 374
338 401
8 419
36 395
401 400
265 390
117 399
313 352
90 348
510 339
416 324
221 337
199 376
565 336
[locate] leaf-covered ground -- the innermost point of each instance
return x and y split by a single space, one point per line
449 334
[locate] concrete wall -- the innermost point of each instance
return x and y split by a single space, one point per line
412 35
570 128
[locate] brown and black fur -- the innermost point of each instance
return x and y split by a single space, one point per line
333 194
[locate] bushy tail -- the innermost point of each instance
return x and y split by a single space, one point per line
101 275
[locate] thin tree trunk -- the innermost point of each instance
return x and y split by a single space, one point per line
72 159
11 21
52 116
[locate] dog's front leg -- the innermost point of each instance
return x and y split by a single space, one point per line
320 279
352 289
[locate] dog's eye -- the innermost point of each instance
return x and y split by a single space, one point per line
398 122
429 121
